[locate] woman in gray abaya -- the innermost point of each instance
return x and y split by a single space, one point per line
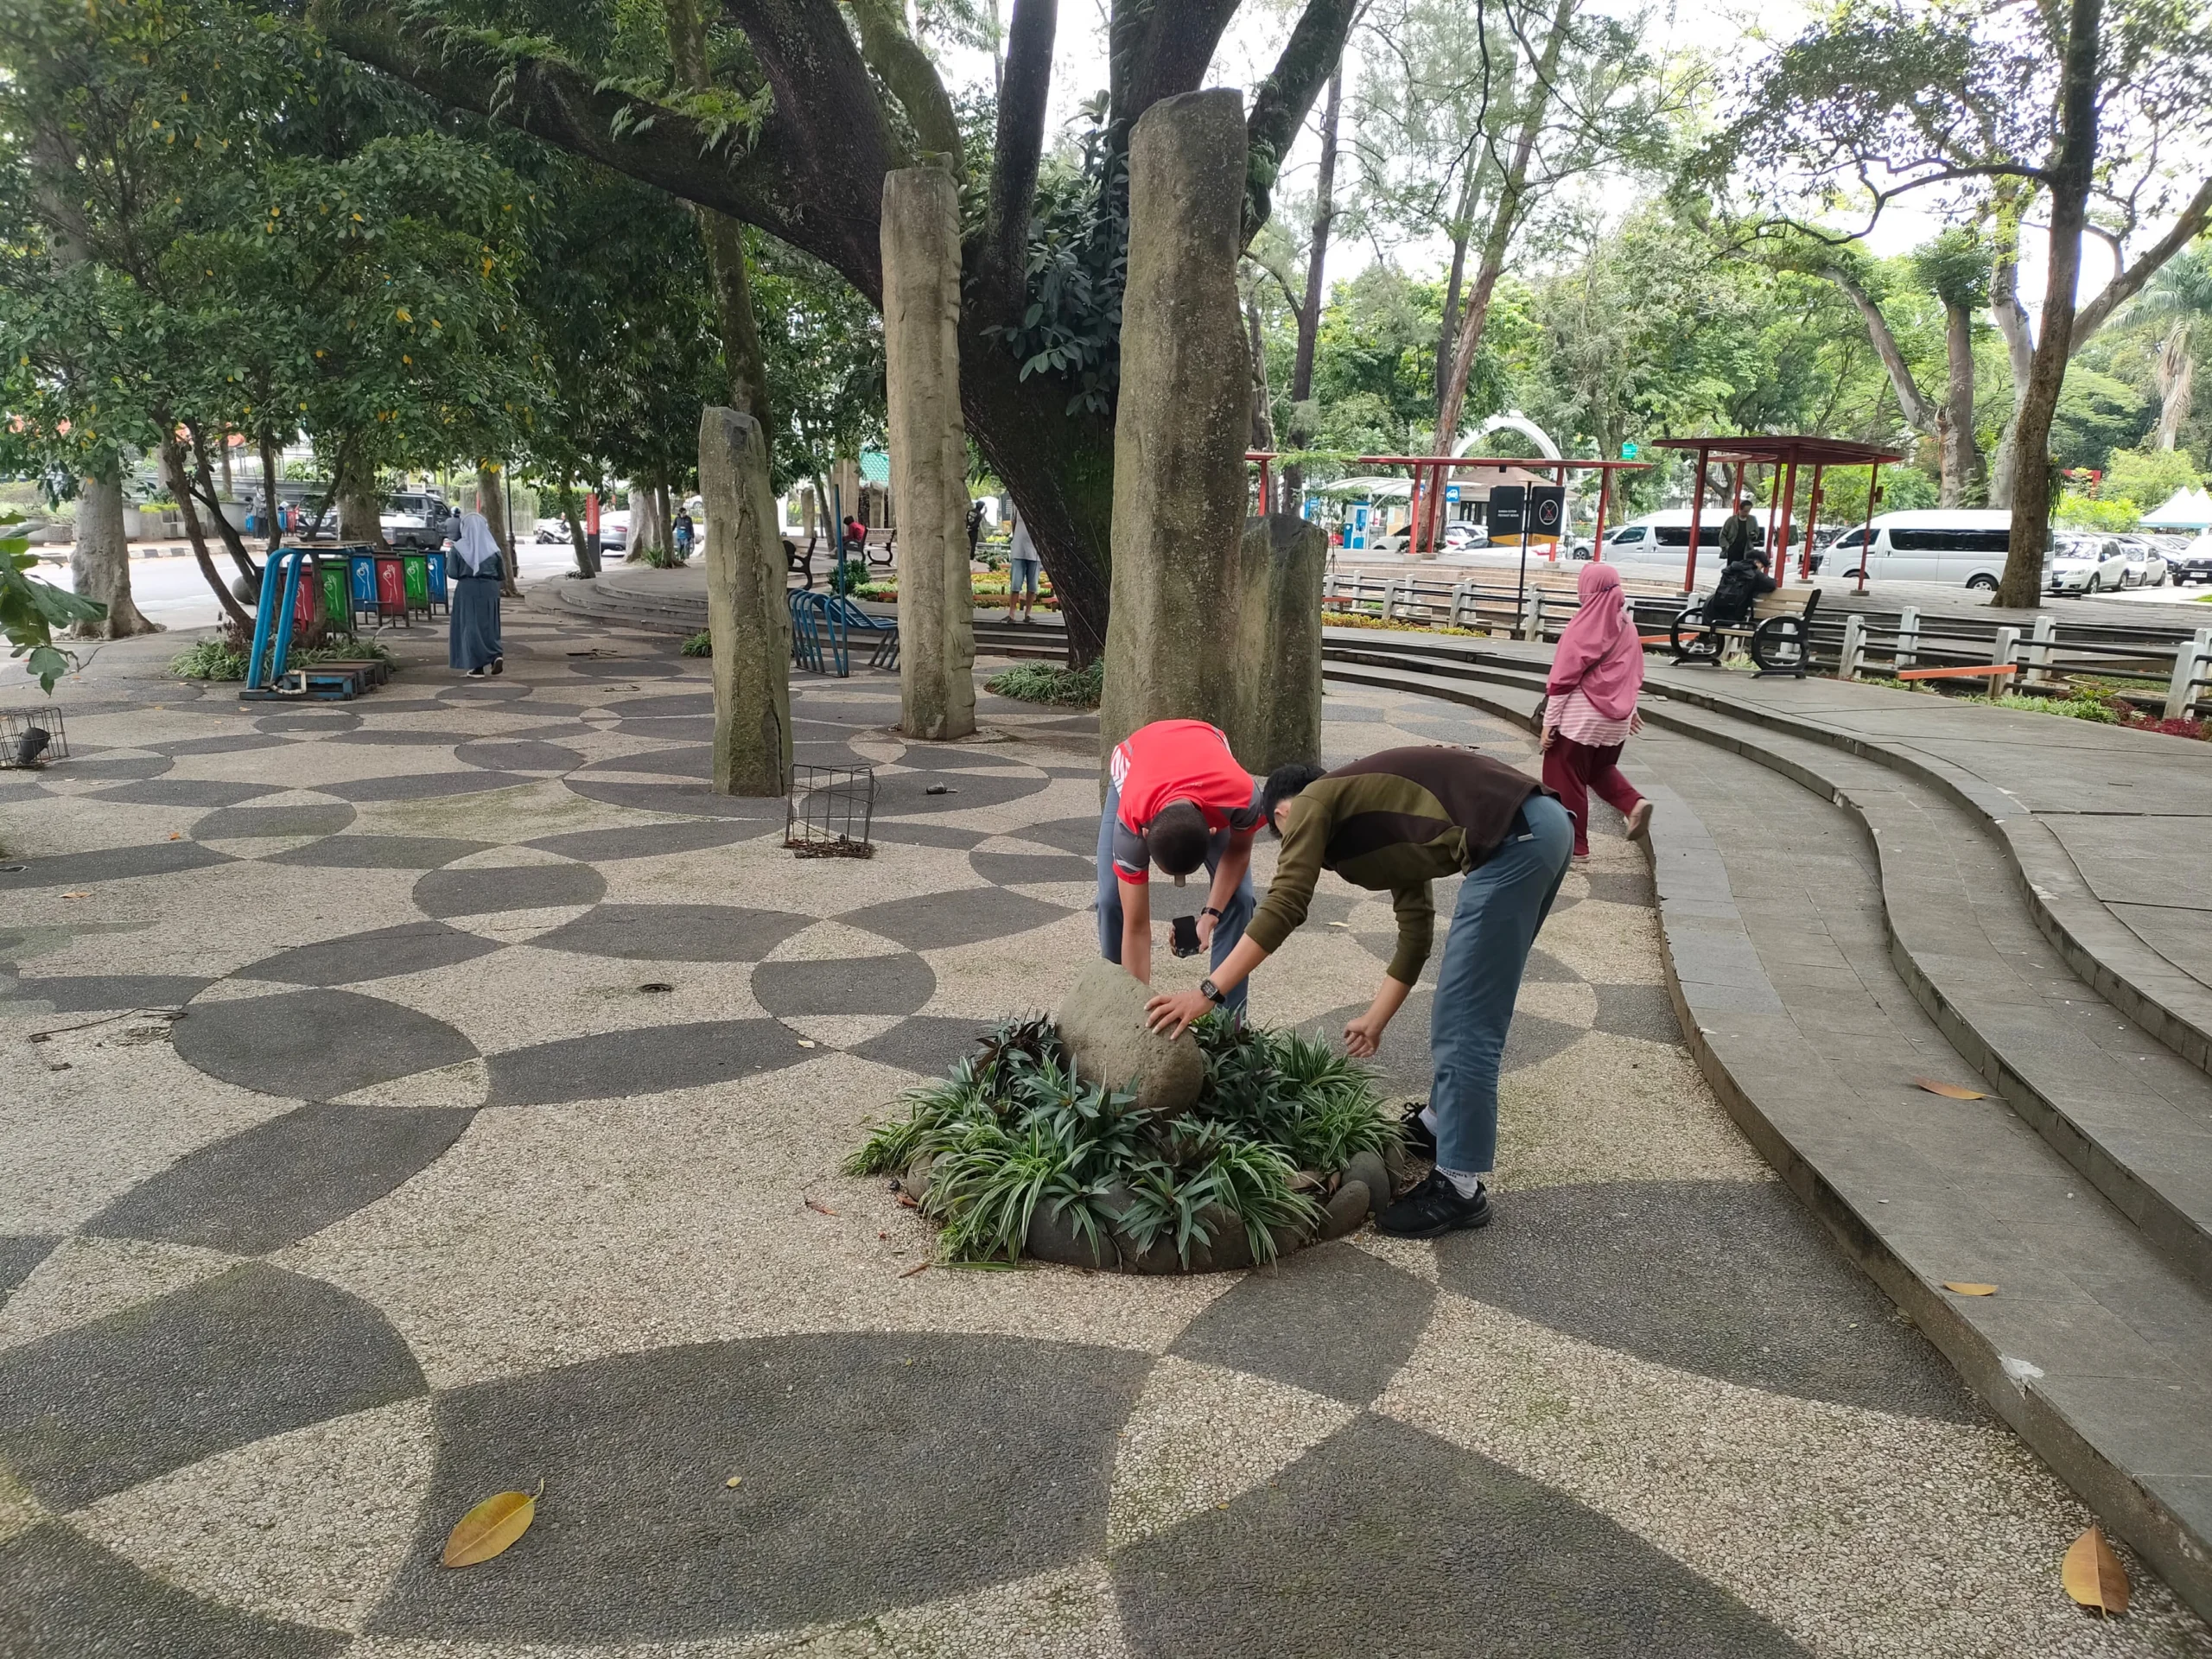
476 574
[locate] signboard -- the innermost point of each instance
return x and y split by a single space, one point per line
1356 529
1451 492
1546 510
591 513
1628 451
1508 509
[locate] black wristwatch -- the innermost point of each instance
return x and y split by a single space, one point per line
1213 994
1210 910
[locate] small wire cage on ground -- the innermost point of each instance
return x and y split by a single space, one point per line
830 811
31 738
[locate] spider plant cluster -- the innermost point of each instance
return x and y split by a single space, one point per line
1012 1128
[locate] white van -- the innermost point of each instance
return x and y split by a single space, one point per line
1962 546
1669 530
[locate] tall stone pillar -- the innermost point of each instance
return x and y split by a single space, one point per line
928 453
1279 642
1184 417
746 613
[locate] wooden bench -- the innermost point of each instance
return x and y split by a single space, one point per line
1778 634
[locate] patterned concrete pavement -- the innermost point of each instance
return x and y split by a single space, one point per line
496 1141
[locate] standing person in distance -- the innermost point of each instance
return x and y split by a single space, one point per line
472 640
1023 568
1590 707
685 530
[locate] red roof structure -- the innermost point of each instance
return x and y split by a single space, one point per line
1784 455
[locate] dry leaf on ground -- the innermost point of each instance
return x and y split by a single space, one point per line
1950 1090
2093 1574
817 1204
491 1527
1966 1287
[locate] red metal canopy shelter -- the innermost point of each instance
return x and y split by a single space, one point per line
1786 455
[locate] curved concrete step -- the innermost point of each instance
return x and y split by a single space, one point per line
1776 908
2132 1116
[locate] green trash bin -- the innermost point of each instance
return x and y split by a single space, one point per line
417 568
337 594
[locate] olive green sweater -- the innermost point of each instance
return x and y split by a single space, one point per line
1392 822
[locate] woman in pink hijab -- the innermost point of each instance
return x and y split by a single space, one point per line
1591 707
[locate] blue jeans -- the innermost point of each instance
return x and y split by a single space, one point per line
1226 930
1501 903
1022 573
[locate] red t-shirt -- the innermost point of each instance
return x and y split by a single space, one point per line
1176 761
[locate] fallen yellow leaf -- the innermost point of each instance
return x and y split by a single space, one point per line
1969 1289
734 1480
76 895
1950 1090
491 1527
2093 1574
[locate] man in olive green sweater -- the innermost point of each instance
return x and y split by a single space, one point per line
1394 823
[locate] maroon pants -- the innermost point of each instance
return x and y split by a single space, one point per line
1571 769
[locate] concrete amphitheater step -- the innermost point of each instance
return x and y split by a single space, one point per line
1777 916
1966 944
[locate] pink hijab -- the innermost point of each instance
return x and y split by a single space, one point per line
1600 651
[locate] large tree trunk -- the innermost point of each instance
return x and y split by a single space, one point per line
360 512
2012 319
233 543
491 502
1964 480
1309 315
587 560
100 568
1448 325
2071 177
1263 423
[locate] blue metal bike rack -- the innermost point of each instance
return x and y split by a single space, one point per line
280 594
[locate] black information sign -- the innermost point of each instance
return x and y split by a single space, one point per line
1507 505
1546 510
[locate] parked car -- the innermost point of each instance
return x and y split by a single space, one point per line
2192 562
1458 537
2084 564
410 518
2147 562
1963 546
1668 530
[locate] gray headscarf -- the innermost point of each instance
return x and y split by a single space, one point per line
474 542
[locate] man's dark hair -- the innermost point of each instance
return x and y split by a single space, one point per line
1178 838
1284 782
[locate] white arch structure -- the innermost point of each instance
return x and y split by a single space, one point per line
1519 423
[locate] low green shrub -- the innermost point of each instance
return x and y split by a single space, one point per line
1011 1127
1052 682
222 657
701 644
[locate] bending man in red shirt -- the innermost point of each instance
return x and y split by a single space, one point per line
1176 797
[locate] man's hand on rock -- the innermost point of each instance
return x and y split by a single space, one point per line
1170 1016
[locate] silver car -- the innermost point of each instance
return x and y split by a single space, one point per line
2085 564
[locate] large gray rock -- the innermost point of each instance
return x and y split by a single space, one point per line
746 608
928 453
1283 559
1185 415
1101 1021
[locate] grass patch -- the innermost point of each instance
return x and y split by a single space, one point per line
1050 682
220 658
701 644
2090 700
1012 1128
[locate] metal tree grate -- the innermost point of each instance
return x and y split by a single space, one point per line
31 738
830 811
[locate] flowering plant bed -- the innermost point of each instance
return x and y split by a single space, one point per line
1013 1154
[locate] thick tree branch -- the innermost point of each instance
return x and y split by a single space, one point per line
1023 90
1282 101
906 70
1919 413
1162 47
2129 282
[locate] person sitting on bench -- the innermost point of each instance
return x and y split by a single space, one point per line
1743 581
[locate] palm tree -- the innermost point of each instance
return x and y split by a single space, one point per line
2178 297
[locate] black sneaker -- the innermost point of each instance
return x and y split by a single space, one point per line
1434 1209
1418 1139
